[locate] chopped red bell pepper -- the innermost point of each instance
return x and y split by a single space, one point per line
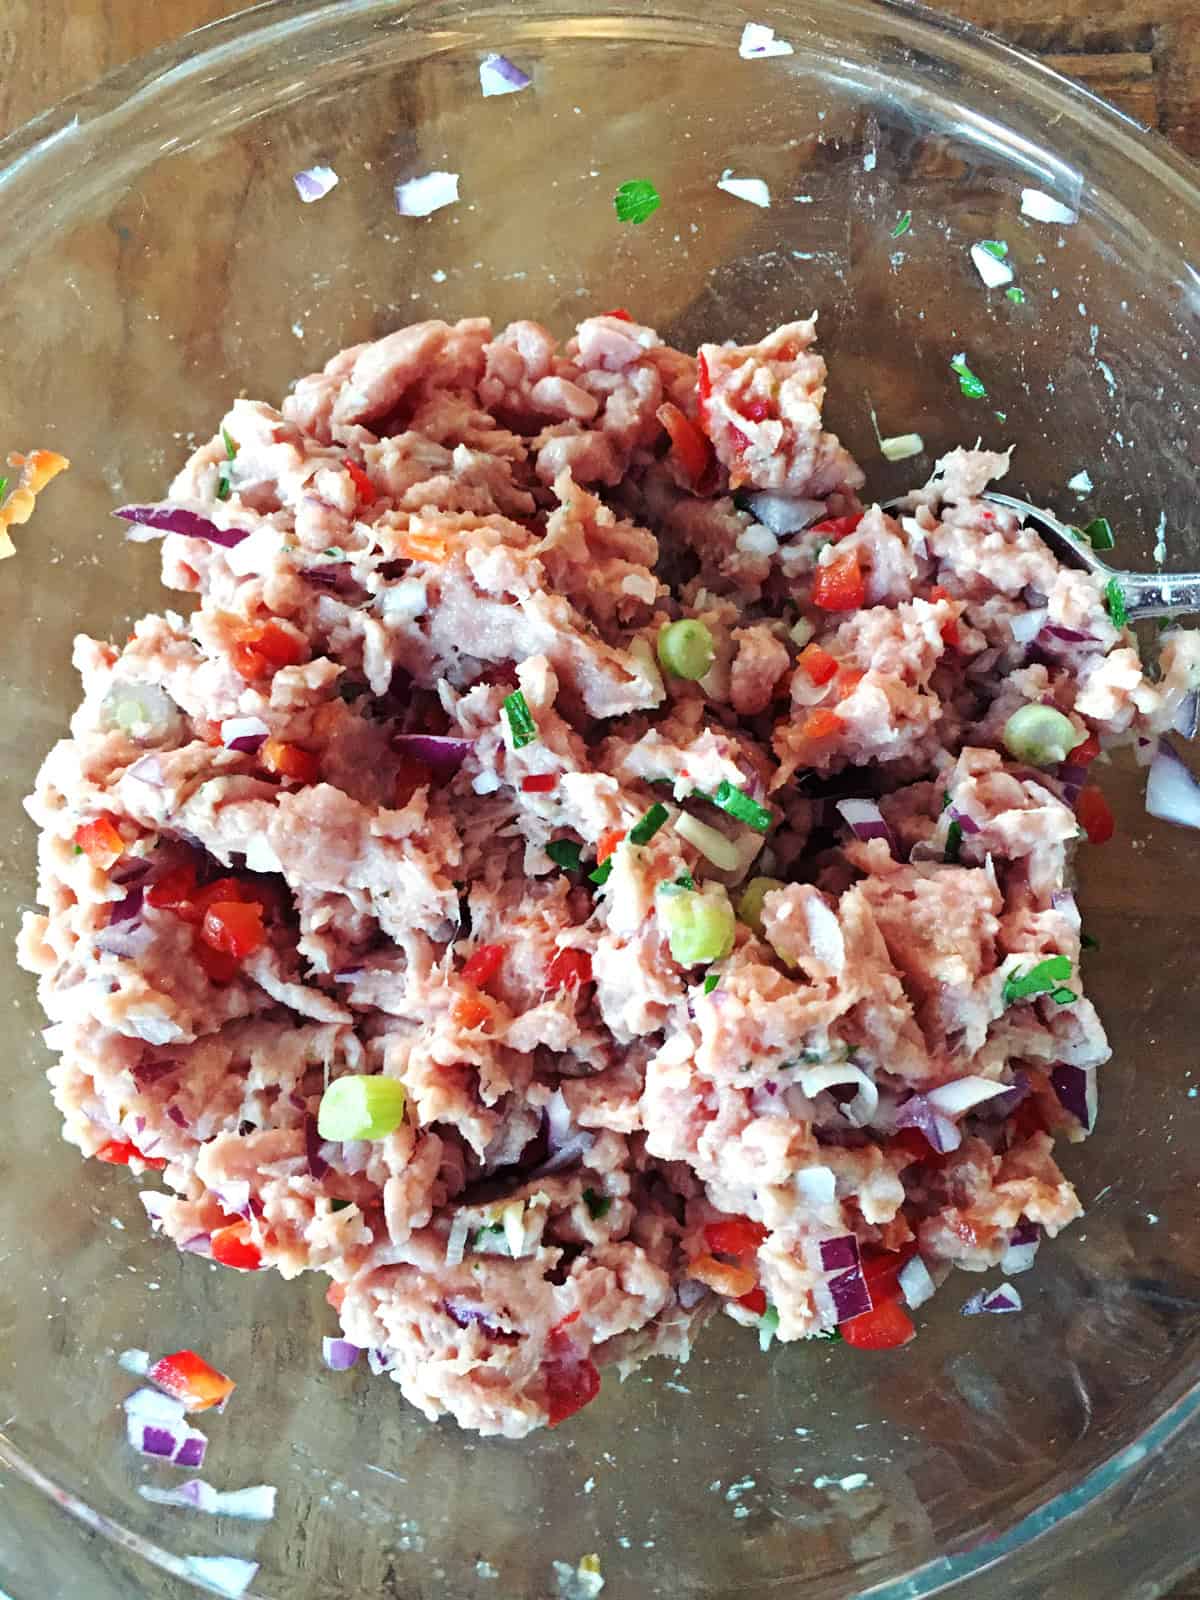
817 664
734 1236
263 647
568 969
703 381
232 1246
755 410
484 964
188 1377
234 928
173 890
887 1327
620 313
848 680
839 586
881 1272
471 1011
821 725
755 1301
119 1153
572 1380
336 1294
689 446
290 761
100 840
607 843
1084 754
366 490
949 628
539 782
836 527
1095 815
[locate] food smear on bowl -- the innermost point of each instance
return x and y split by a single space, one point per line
582 867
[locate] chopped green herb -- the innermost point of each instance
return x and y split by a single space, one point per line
685 881
3 487
830 1336
1001 416
334 552
603 872
1063 996
224 482
599 1205
636 200
994 247
711 980
78 849
340 1205
1041 979
521 725
903 224
1017 296
945 798
231 449
1099 534
224 487
741 806
644 830
1086 942
954 839
564 853
1114 600
967 381
768 1323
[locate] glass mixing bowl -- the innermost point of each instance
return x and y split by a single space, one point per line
156 261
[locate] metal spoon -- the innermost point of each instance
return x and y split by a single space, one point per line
1146 594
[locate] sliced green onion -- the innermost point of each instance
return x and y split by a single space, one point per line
830 1336
644 830
224 483
361 1108
711 980
685 881
699 927
1040 735
1099 534
801 632
339 1205
768 1324
1017 296
901 445
994 247
954 839
711 842
750 906
686 648
231 449
740 805
1042 979
3 487
224 487
521 725
564 853
603 872
599 1205
970 385
1063 996
636 200
1114 599
903 224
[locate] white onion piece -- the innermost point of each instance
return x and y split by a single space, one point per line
499 75
135 1361
817 1186
1002 1299
752 189
1019 1257
953 1099
1187 715
784 513
1172 792
758 40
420 197
558 1120
995 273
901 446
228 1575
513 1218
1044 208
711 842
314 183
456 1243
255 1504
1026 625
235 728
915 1283
861 1109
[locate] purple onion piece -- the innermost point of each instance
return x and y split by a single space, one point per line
1025 1232
499 75
318 1167
966 823
147 769
1076 1091
177 1116
851 1298
567 1154
866 820
129 870
1068 635
200 1244
191 1451
127 940
940 1132
840 1253
159 1442
314 183
442 753
993 1302
165 518
339 1355
148 1072
125 910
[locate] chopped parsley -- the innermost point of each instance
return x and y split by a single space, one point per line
521 725
740 805
830 1336
970 385
768 1324
1099 534
1114 601
78 849
636 200
644 830
603 872
954 839
334 552
1045 978
711 980
903 224
3 487
685 881
599 1205
481 1235
564 853
1086 942
340 1205
224 482
1017 296
996 248
945 798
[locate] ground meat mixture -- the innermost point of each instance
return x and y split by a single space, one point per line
564 756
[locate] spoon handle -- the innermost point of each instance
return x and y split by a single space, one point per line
1159 594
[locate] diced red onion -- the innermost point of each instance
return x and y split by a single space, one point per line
125 910
228 1575
784 513
1022 1247
499 75
941 1134
147 769
465 1315
234 1198
1172 792
915 1283
1076 1091
418 197
1014 1094
380 1361
1025 1232
690 1293
1068 635
245 734
177 1115
355 1155
957 1098
965 821
200 1244
861 1109
153 1203
1187 715
350 975
840 1253
851 1297
318 1167
867 821
1026 625
438 751
558 1120
129 870
758 40
155 1426
166 518
993 1302
339 1355
567 1154
314 183
127 940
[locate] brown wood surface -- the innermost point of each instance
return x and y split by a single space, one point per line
1144 55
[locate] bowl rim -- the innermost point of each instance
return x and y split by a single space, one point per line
195 53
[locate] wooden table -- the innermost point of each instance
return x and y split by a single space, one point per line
1144 55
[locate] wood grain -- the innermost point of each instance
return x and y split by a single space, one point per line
1143 55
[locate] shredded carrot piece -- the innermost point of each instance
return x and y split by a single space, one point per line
418 546
37 469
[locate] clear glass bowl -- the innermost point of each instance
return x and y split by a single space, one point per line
155 260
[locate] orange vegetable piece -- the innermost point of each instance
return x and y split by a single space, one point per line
734 1236
419 546
290 761
1095 815
836 528
886 1327
471 1011
725 1278
817 664
37 469
119 1153
839 586
821 725
234 928
689 446
263 647
607 843
568 969
233 1246
366 490
100 840
188 1377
